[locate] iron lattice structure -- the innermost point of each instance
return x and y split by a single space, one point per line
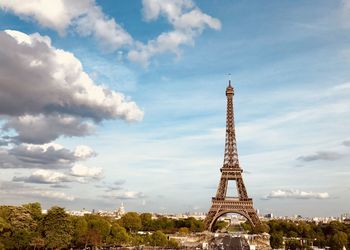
231 171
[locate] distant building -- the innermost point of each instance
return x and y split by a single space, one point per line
269 216
120 211
79 213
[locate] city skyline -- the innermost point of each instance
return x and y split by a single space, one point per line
103 102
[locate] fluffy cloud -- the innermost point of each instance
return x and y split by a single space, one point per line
125 195
83 171
188 21
346 143
46 156
295 194
321 155
78 173
43 87
87 19
45 128
44 177
19 190
83 16
117 185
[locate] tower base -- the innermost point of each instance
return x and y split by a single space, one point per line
227 205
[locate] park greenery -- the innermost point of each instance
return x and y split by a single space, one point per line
295 235
26 227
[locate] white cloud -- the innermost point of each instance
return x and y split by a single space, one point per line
44 176
83 16
296 194
125 195
45 156
49 194
188 21
86 18
20 190
52 90
83 171
84 152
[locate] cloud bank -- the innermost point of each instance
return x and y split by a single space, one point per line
84 17
87 19
295 194
46 156
187 20
321 155
45 93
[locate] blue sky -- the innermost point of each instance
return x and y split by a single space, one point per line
160 146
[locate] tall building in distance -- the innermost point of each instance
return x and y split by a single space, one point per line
231 172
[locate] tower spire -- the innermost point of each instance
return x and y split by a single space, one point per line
230 155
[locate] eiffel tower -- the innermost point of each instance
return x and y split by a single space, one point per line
231 171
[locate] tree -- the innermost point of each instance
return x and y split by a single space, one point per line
220 224
146 221
260 228
118 235
293 245
35 210
184 230
158 238
58 228
276 239
80 228
132 221
338 240
101 225
17 226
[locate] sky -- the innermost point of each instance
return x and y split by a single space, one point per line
104 102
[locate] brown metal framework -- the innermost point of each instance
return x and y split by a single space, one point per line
231 171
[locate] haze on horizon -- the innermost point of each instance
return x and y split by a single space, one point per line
103 102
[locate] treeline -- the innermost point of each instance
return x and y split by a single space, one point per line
302 235
25 227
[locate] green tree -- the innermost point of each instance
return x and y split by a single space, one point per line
4 226
35 210
276 239
17 227
118 235
58 228
158 238
220 224
146 221
338 240
131 221
293 245
184 230
260 228
98 230
80 228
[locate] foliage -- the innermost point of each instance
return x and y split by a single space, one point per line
118 235
301 234
276 240
58 228
132 221
184 230
25 227
34 210
158 238
338 240
219 225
